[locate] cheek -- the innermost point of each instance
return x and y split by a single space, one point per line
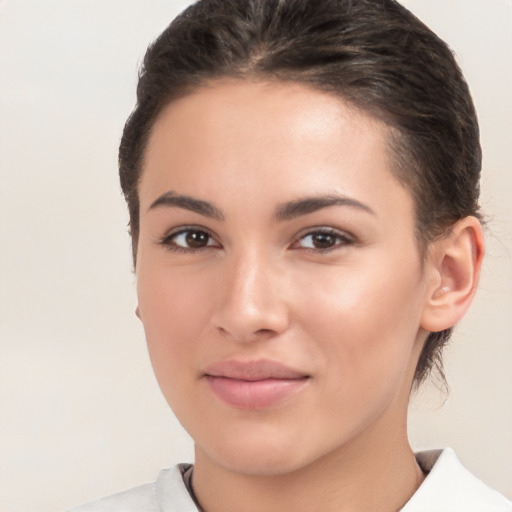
172 300
174 311
365 319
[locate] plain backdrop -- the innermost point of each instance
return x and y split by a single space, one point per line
80 413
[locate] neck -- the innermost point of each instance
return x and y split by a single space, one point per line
372 472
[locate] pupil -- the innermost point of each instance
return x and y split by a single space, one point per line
323 240
197 239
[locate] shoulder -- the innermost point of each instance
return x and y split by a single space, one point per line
167 493
449 486
141 498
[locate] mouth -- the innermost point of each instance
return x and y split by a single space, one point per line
254 384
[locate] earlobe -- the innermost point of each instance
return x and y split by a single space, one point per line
455 262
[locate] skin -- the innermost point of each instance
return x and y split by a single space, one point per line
349 310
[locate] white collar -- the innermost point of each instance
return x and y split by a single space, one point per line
450 487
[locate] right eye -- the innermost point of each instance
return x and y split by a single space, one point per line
189 239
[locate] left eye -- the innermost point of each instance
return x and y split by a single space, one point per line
322 240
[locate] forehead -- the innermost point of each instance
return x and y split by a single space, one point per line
251 105
236 138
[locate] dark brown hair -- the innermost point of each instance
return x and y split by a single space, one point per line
374 54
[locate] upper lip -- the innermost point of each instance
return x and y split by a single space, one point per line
253 370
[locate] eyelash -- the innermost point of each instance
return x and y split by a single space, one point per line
343 239
168 241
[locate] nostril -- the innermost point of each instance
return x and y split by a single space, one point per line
265 332
247 336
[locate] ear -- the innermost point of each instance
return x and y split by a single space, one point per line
137 312
454 269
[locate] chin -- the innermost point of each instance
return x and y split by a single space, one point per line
259 463
260 452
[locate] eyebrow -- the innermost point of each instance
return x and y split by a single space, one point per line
284 212
171 199
306 205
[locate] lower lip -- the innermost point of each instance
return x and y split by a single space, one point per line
258 394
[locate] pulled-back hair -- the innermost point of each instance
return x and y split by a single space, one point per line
374 54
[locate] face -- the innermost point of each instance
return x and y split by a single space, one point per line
279 280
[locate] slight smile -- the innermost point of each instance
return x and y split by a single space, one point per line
254 384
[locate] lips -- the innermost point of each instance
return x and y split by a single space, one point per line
254 384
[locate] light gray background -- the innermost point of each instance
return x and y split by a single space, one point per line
80 413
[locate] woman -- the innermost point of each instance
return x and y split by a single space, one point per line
302 181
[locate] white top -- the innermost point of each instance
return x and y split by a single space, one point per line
448 487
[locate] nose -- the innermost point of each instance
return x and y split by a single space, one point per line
251 305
